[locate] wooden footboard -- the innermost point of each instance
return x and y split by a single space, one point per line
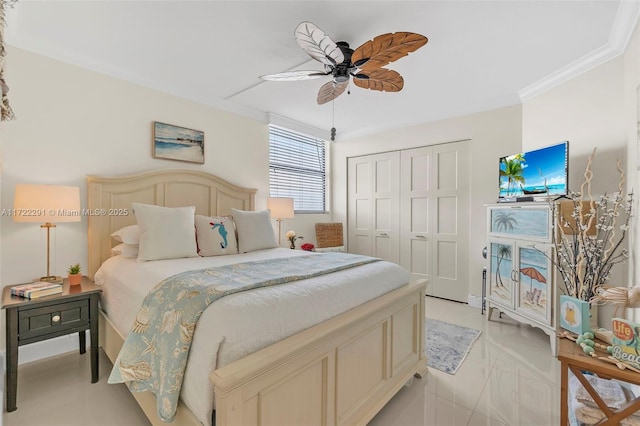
340 372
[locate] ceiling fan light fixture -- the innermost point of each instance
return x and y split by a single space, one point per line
341 78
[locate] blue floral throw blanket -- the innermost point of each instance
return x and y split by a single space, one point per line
155 352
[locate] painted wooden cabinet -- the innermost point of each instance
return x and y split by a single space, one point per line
521 278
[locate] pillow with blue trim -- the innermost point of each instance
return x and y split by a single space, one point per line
216 235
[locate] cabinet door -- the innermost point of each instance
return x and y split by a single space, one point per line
534 295
501 267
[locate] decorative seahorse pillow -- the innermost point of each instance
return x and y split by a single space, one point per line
215 235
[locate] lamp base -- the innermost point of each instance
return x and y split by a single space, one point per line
50 279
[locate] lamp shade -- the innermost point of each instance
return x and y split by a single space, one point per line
280 208
46 203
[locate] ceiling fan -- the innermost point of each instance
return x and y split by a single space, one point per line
364 64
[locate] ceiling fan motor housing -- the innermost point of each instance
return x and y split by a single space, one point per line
343 70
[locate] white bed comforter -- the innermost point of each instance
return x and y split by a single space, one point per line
242 323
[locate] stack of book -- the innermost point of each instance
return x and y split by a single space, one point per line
36 289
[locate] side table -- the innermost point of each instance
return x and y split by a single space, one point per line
572 358
28 321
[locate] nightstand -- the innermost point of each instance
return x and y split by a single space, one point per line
28 321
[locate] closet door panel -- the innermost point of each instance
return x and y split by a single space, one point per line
386 208
359 216
416 181
450 221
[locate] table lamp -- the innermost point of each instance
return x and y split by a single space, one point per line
47 204
280 208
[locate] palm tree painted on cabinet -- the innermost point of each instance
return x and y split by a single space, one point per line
503 220
504 252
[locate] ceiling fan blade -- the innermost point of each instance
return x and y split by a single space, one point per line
293 76
318 45
380 79
331 90
385 49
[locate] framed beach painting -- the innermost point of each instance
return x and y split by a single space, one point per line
177 143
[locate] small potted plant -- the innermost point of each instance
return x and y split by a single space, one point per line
75 277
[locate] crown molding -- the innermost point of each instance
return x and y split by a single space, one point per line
621 32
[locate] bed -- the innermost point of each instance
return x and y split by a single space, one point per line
341 370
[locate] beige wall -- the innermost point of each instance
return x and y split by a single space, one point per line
73 122
492 133
592 110
632 127
588 111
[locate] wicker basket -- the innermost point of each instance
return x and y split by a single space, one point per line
329 235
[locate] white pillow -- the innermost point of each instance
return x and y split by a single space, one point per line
255 231
215 235
166 232
128 235
129 251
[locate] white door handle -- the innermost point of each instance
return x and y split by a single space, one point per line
384 234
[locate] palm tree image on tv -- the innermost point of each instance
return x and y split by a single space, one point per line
540 172
513 171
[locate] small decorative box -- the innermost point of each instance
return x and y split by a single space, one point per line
574 314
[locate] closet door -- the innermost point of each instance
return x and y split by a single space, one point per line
416 182
386 206
373 205
449 220
360 216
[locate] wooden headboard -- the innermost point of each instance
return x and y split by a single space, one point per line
110 197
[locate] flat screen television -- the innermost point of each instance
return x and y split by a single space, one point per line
536 174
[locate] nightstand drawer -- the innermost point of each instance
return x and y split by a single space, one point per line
52 319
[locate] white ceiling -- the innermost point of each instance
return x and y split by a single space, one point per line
480 54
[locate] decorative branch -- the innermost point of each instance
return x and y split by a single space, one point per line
582 259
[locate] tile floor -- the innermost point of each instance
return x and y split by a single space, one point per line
509 378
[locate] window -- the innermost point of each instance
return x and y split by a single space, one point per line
297 169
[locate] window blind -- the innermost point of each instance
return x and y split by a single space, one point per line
297 169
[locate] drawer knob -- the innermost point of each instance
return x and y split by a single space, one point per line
56 318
